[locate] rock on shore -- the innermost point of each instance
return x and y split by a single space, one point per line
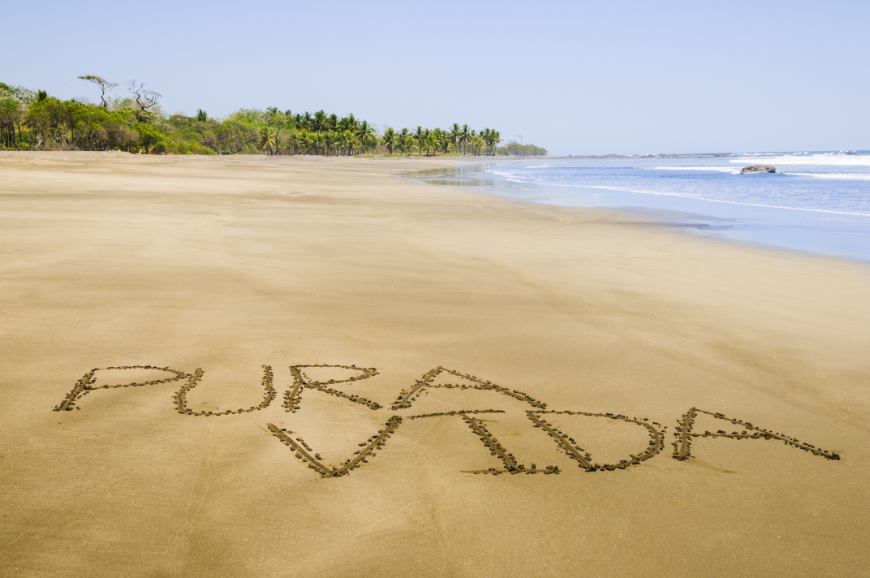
758 169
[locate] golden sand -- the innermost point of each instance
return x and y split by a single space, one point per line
254 366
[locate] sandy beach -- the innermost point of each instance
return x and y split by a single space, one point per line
482 336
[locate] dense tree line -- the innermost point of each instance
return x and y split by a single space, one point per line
33 120
516 149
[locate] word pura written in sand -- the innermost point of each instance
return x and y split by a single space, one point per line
538 418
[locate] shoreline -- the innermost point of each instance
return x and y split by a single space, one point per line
456 312
776 227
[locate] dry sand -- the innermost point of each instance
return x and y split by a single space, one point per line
232 264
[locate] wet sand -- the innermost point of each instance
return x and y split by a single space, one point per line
253 366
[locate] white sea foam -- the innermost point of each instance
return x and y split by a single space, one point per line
835 176
724 201
730 170
830 159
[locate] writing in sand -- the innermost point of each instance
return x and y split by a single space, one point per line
538 417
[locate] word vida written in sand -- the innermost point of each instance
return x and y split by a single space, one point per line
538 415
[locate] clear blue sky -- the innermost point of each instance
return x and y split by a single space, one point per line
576 77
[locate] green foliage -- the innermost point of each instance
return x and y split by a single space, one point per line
188 147
267 139
148 136
135 123
516 149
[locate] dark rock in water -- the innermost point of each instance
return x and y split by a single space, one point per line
758 169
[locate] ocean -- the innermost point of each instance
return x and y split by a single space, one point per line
817 202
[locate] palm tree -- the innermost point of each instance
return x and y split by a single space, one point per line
280 120
404 136
364 130
368 139
267 139
303 140
430 141
494 139
477 144
410 144
455 134
319 121
340 140
353 142
316 140
463 136
487 136
332 139
352 122
298 141
419 135
400 143
447 144
389 139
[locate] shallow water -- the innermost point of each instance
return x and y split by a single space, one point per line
815 202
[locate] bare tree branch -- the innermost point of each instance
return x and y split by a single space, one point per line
104 85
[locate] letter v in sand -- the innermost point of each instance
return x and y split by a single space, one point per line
315 462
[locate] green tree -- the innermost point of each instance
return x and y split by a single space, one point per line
404 140
148 136
430 143
389 139
455 134
495 140
11 116
419 135
267 139
319 121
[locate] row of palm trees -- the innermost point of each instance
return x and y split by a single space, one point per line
327 134
458 139
345 142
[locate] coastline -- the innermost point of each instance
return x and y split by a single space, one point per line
232 263
812 231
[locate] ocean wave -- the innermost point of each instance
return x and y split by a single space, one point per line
805 182
730 170
724 201
829 159
834 176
